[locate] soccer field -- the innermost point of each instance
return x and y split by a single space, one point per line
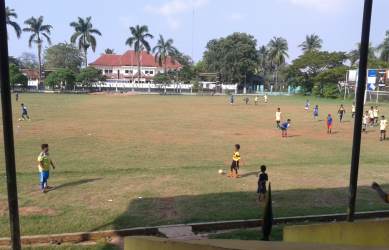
127 161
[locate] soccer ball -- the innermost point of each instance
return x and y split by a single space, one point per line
221 171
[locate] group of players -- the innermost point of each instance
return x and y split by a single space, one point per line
370 119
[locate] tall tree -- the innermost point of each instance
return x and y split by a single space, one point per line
234 57
163 51
312 43
39 31
383 48
63 55
278 52
85 33
353 55
138 40
263 59
9 15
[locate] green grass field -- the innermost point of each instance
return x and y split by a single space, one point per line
112 150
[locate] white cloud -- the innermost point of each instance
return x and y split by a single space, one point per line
321 5
173 8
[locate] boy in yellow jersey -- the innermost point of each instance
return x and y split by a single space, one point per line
383 195
44 167
235 162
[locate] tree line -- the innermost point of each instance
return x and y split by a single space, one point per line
67 59
236 58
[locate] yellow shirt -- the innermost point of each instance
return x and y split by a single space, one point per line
236 156
44 162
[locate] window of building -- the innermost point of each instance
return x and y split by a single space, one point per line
126 71
151 72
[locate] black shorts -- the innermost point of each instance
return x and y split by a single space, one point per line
235 164
261 190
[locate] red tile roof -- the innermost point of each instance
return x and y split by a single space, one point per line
129 59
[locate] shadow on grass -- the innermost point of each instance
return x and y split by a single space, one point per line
74 183
155 211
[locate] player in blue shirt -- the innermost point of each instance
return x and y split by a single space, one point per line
316 112
329 124
284 128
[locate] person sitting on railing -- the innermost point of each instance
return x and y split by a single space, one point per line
384 196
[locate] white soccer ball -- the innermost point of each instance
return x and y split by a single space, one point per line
221 171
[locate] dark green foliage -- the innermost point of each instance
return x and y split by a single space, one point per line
16 76
88 76
62 78
234 56
303 71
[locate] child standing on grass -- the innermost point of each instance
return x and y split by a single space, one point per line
265 98
246 99
256 100
383 125
235 162
371 116
353 110
316 112
284 128
278 117
307 104
329 124
24 113
376 115
262 180
44 167
232 99
341 113
365 121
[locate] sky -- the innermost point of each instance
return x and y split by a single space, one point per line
192 23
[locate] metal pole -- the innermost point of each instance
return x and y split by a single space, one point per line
364 51
8 133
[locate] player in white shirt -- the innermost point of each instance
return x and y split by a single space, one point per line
265 98
383 125
371 116
278 117
376 115
353 110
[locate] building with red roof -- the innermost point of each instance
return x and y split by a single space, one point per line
125 67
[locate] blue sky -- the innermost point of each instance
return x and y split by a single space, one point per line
338 22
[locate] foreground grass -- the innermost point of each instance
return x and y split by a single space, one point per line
129 161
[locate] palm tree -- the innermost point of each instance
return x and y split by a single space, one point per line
353 55
278 52
312 43
39 31
84 32
138 40
163 50
383 48
263 59
9 14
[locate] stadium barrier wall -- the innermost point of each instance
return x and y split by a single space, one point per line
152 243
368 233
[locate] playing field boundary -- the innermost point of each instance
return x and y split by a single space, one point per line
196 227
